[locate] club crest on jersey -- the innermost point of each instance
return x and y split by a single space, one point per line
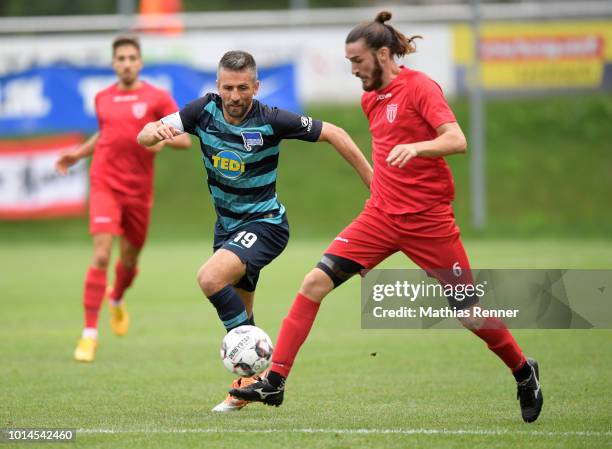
251 139
139 110
228 164
391 112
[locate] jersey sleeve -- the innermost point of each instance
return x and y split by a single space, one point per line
430 103
288 125
191 113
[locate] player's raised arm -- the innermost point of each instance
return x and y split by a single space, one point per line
154 132
68 158
175 124
289 125
348 149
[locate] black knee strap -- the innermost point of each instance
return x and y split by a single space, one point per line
339 269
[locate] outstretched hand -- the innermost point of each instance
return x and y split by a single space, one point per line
65 161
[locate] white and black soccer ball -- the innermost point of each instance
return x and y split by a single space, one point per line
246 351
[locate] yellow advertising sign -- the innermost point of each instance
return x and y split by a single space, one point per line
538 55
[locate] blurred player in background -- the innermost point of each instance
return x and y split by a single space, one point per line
409 209
121 180
240 139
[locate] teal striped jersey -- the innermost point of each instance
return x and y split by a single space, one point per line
241 161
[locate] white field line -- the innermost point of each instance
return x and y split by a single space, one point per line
476 432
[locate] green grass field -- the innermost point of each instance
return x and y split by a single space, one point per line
549 184
156 386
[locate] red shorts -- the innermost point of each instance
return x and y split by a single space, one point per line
112 212
430 239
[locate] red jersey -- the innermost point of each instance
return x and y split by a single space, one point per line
407 111
119 162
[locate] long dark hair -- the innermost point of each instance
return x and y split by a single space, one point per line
377 34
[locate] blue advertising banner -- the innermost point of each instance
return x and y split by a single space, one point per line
61 98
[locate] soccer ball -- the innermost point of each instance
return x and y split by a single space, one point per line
246 351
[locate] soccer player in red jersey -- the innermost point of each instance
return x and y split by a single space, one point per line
121 180
409 209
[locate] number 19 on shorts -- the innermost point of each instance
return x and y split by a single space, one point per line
246 239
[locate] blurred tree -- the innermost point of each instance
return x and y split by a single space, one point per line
72 7
56 7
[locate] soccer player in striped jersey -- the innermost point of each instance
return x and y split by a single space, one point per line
409 209
239 138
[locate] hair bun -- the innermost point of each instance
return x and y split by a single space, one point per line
382 17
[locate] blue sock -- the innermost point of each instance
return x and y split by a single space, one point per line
230 307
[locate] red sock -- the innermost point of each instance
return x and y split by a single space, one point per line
499 340
95 284
293 333
123 279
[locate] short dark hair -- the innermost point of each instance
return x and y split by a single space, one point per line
120 41
378 34
238 61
